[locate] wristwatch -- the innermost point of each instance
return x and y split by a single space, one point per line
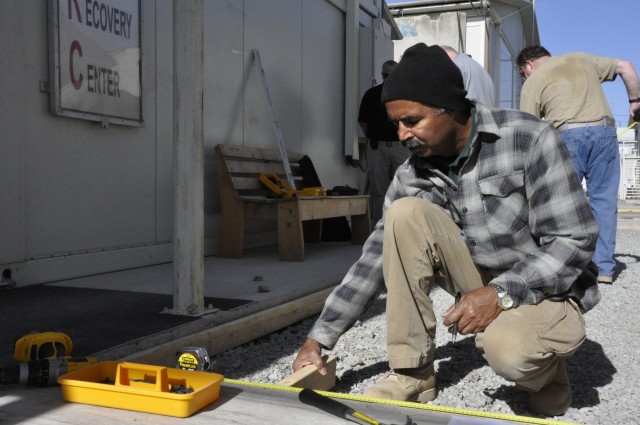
504 299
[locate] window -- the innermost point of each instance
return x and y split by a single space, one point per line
509 78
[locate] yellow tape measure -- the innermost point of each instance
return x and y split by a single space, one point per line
408 404
626 129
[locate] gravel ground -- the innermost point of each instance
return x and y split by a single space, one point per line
604 372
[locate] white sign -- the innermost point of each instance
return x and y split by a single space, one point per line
96 57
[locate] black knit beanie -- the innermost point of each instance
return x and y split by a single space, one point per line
426 75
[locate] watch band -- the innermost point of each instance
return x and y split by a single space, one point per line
505 302
636 100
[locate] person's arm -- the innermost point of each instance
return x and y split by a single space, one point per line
357 291
627 72
364 113
345 304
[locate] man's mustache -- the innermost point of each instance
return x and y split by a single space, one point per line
415 143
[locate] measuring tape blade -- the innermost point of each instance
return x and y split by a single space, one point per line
407 404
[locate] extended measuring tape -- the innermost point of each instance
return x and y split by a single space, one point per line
636 119
627 129
407 404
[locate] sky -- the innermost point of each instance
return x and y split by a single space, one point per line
605 28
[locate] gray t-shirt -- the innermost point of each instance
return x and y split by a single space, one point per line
477 81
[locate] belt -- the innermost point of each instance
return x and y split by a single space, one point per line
606 122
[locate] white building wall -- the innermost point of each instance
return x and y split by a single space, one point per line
71 187
448 28
476 42
79 199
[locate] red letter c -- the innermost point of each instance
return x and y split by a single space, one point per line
77 83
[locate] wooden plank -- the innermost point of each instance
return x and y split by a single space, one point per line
236 333
235 166
257 153
309 377
246 183
247 152
261 210
332 206
231 231
290 235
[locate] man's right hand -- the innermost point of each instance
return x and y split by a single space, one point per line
310 353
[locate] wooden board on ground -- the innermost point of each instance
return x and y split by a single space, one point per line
310 377
244 404
236 333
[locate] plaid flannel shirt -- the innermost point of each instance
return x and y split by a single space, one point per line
520 204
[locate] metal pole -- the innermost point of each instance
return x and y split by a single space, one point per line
188 262
352 25
274 120
533 22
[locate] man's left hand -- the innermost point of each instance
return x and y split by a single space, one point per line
476 311
634 111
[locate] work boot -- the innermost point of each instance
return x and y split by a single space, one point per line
608 280
415 384
555 398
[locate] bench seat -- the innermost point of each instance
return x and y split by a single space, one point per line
243 197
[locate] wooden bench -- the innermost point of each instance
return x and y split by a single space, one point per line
243 197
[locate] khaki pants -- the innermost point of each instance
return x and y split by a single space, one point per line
423 247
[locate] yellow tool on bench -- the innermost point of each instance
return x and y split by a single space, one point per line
272 180
281 188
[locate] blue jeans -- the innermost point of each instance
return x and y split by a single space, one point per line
594 151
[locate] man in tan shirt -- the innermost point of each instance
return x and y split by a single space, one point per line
566 91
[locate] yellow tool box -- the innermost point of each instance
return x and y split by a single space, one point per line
143 388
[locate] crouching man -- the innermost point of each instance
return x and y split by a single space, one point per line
488 204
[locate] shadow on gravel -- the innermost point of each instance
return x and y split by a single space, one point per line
350 378
457 360
262 352
622 266
588 369
267 350
515 398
